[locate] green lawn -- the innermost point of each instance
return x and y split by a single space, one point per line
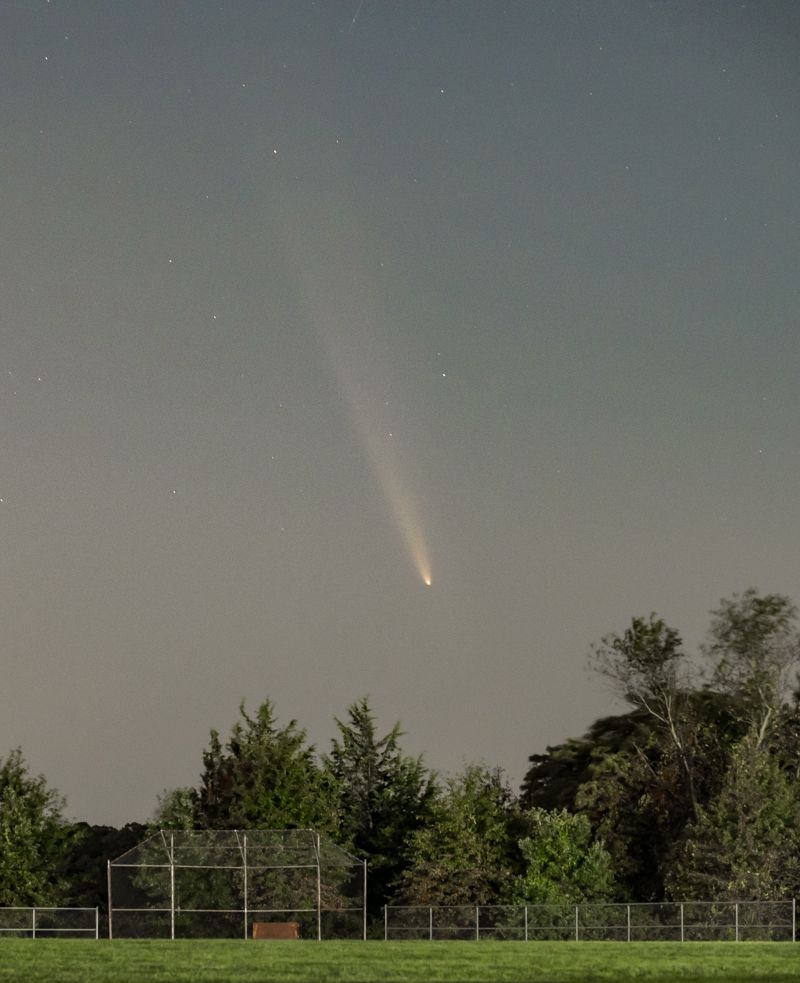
73 961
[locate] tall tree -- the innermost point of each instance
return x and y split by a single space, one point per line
265 777
383 796
649 669
32 836
754 646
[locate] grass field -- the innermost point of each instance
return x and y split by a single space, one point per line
72 961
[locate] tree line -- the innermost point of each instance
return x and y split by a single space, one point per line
692 793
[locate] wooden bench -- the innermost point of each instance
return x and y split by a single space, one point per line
276 930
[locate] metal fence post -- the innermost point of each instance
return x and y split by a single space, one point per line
477 923
33 923
430 924
629 923
319 893
385 923
736 921
96 923
794 919
172 886
364 930
577 936
110 906
244 881
526 923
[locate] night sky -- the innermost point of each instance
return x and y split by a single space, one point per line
304 303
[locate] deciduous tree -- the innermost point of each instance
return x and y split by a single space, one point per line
32 836
754 647
562 862
649 669
469 849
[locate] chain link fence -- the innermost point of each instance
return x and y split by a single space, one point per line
688 921
49 923
203 884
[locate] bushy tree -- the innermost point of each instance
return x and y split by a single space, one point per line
469 849
32 836
561 861
177 809
745 845
628 809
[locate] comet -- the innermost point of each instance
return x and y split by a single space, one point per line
340 298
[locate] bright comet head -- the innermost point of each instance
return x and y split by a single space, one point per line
427 580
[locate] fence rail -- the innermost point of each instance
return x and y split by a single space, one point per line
687 921
42 922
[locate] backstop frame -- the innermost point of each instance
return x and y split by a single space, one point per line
170 839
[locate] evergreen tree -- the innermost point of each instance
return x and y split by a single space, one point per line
745 845
383 796
265 777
